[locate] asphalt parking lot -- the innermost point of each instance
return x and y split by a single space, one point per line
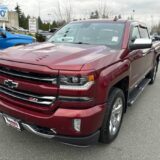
139 138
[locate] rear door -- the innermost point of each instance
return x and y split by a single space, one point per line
147 53
137 59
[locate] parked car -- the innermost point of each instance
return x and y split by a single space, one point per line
8 39
43 36
76 87
156 38
53 30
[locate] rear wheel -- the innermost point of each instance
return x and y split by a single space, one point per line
153 74
113 117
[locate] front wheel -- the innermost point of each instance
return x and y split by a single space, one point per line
113 117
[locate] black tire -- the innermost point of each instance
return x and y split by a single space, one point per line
105 135
152 75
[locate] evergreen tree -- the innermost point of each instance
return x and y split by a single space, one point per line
156 29
40 23
19 11
94 15
23 20
119 16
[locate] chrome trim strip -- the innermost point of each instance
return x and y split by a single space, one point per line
29 128
43 98
79 88
53 80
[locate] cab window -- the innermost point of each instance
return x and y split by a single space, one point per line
135 34
144 33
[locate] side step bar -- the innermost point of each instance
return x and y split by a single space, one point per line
133 96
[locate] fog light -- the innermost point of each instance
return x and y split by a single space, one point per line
77 124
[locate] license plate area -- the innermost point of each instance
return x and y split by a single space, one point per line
12 122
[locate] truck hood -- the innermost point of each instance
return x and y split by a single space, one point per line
61 56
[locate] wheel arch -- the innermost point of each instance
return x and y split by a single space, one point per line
123 84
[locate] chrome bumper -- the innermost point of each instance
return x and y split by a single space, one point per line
31 129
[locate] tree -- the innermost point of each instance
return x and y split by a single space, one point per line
94 15
115 18
40 23
23 20
64 11
54 24
156 29
119 16
19 12
104 9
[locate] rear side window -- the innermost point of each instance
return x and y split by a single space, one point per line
144 32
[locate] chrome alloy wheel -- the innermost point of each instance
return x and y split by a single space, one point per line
116 116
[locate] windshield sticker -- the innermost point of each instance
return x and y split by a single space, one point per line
115 39
65 39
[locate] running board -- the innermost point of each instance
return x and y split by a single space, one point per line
138 91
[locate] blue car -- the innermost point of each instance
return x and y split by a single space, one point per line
8 39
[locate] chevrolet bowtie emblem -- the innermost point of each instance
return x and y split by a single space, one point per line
10 84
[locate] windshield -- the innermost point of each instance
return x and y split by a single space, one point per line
93 33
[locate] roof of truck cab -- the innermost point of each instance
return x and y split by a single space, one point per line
110 21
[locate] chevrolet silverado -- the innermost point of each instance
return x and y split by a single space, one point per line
76 87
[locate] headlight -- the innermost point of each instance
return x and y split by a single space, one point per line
76 83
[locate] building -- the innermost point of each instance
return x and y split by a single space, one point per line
13 20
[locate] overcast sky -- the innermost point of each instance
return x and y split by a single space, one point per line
145 10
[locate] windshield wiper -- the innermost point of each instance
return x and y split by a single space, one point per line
72 42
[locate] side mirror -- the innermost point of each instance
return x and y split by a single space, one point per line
133 39
141 43
3 34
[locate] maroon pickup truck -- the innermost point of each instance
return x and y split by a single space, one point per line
76 87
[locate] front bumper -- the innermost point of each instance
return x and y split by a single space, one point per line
78 141
51 134
61 121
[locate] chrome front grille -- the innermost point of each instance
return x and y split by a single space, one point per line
32 98
28 75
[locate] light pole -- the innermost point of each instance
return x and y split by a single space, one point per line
151 21
133 14
49 21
